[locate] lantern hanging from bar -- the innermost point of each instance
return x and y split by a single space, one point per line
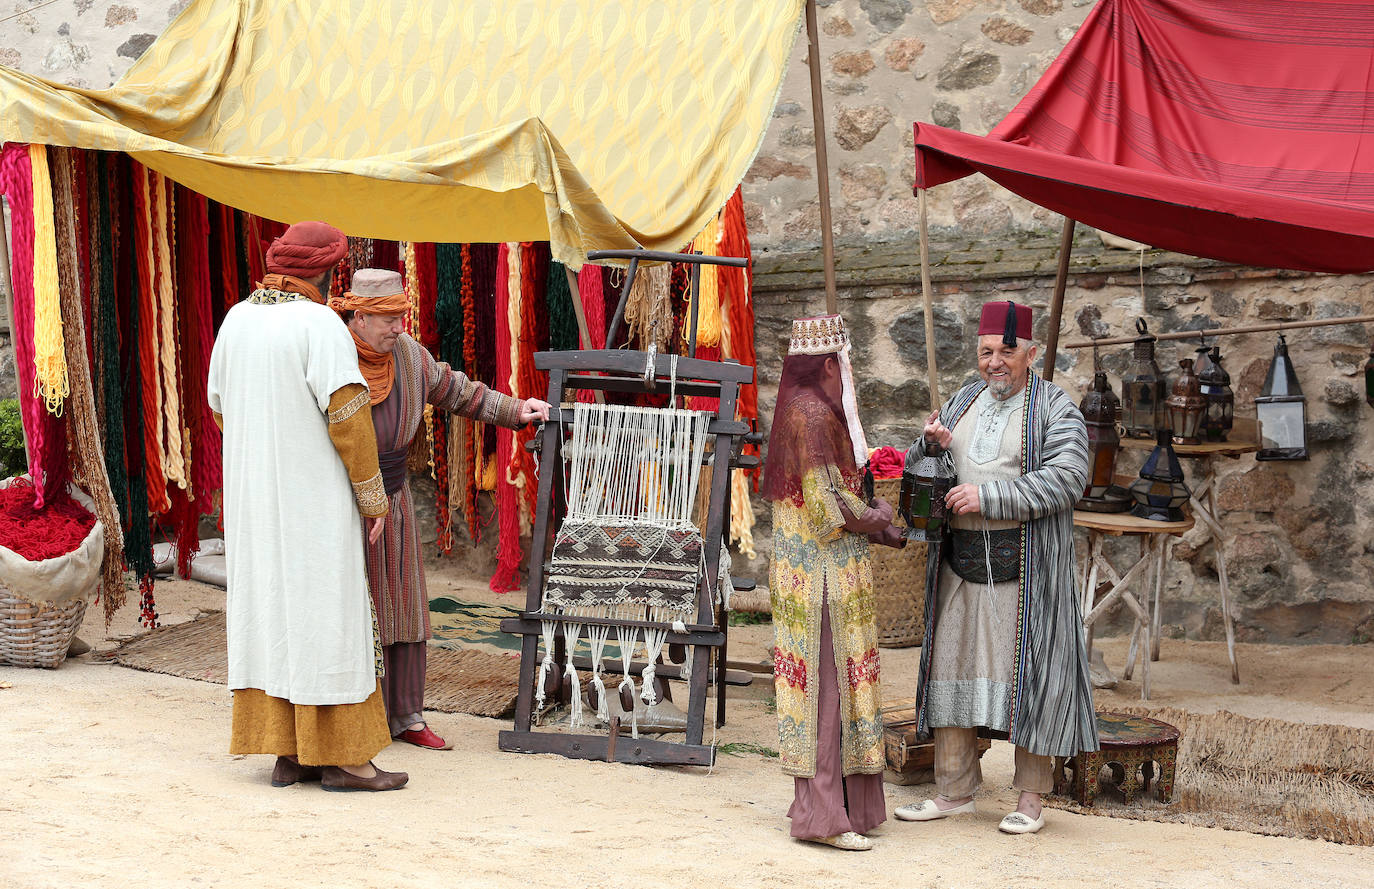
1221 400
1281 409
1201 358
921 499
1160 493
1143 389
1186 405
1100 408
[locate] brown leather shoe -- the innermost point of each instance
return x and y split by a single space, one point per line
287 772
335 778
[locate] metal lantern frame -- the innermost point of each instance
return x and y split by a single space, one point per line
1281 409
1144 389
1160 493
921 501
1220 414
1185 405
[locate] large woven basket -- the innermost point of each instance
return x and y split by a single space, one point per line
899 583
37 634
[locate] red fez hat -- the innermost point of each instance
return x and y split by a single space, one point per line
306 250
1005 319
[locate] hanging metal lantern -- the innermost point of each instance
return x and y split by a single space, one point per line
1160 493
1100 408
1281 409
1143 389
921 499
1202 358
1369 377
1221 400
1186 405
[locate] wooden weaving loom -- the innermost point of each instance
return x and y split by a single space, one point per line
669 606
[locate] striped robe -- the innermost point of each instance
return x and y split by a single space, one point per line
395 570
1051 702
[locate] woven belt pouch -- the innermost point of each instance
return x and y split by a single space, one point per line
970 553
596 565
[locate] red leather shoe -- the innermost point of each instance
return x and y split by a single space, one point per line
425 737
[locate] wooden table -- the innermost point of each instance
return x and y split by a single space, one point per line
1135 743
1154 545
1244 439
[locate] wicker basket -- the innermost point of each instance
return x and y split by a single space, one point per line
899 583
37 635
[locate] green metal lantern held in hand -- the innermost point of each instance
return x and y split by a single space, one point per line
921 501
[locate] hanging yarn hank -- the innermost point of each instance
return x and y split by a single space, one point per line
507 575
563 333
85 430
148 369
629 543
471 432
47 439
484 268
708 295
512 469
649 307
532 319
49 354
173 437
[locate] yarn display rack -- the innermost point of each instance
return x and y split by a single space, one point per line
630 468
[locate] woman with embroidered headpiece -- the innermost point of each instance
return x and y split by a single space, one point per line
826 637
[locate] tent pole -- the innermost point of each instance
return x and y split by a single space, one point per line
7 285
932 377
1061 280
813 60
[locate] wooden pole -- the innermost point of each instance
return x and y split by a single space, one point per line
7 285
1223 331
932 377
813 59
1061 280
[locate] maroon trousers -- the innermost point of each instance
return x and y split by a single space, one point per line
832 803
403 686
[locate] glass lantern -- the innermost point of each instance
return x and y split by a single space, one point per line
1100 407
1186 405
1143 389
1221 400
921 500
1160 493
1281 409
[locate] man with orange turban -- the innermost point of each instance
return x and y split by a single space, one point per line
300 477
402 378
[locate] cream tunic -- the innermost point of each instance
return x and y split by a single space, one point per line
297 608
973 654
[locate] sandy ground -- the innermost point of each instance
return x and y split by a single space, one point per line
117 776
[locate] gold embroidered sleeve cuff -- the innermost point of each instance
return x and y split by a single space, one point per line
371 496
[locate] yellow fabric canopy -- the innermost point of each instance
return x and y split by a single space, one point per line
594 124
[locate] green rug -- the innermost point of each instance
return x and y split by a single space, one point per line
458 624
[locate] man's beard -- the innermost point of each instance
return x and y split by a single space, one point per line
1002 389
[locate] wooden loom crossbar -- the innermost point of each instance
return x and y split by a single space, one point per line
617 370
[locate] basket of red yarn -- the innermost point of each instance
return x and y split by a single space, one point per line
49 571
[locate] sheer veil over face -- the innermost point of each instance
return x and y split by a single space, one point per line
809 429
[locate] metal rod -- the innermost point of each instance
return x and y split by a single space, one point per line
696 307
7 285
1061 280
813 61
932 377
667 256
1223 331
620 306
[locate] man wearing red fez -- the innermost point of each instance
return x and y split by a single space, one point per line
301 479
1003 654
402 377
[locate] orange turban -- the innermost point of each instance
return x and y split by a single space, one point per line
374 292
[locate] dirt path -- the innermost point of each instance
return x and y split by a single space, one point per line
117 776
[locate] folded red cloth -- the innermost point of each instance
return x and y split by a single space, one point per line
887 462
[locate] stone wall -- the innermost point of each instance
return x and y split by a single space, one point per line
1301 551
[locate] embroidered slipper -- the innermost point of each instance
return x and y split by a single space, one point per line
849 841
1019 822
928 811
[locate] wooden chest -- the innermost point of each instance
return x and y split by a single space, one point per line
909 760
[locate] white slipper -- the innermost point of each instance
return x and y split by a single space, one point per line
1019 822
928 811
849 841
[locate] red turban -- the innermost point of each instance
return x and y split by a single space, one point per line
306 250
1007 320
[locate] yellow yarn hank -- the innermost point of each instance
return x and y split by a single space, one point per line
741 515
50 380
171 442
708 297
513 305
649 307
412 287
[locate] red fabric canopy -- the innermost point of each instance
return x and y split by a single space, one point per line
1240 131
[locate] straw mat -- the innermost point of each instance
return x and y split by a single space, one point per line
1264 776
457 681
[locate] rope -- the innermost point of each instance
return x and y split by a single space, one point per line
49 355
546 630
572 632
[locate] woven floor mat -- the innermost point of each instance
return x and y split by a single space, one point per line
1264 776
458 680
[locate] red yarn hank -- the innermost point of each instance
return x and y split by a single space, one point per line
507 574
47 434
443 518
193 223
474 448
737 297
147 344
530 383
427 290
55 529
594 310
